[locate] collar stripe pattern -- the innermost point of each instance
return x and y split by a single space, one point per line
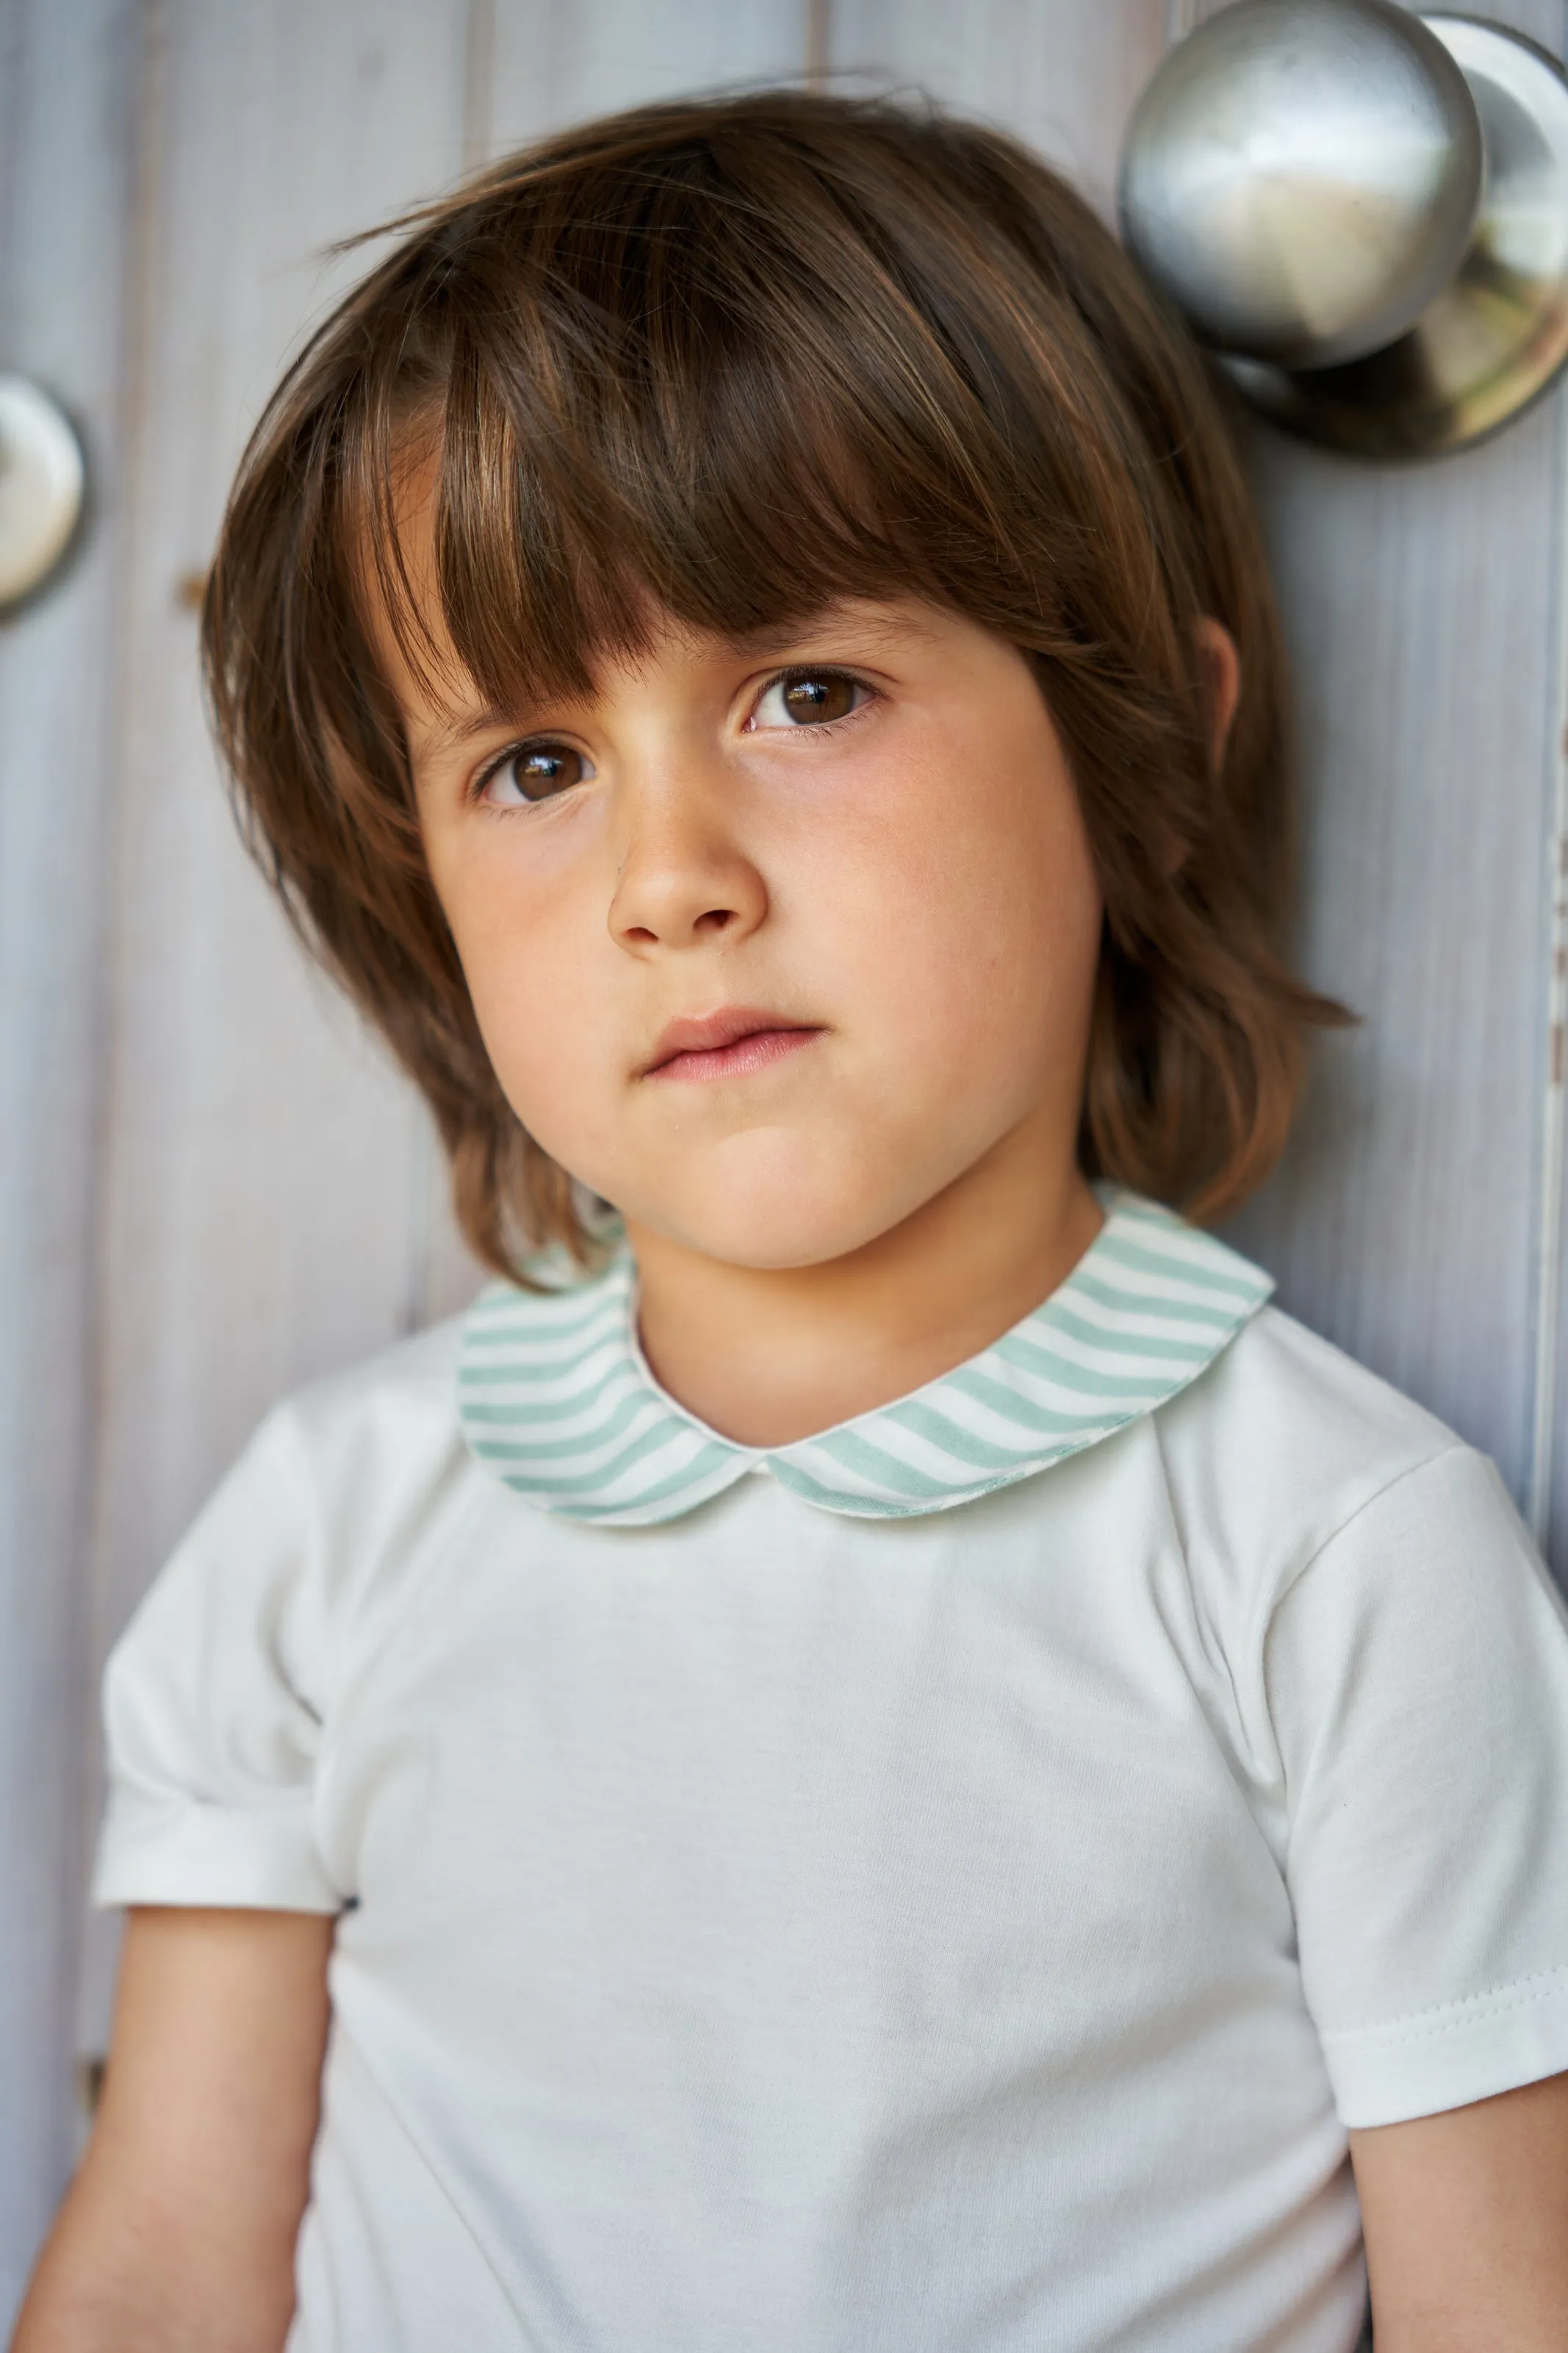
556 1400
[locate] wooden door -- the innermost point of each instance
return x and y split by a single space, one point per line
211 1185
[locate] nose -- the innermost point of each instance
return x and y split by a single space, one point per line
683 879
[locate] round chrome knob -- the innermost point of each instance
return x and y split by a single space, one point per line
41 483
1302 175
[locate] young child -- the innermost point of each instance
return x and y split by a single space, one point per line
874 1752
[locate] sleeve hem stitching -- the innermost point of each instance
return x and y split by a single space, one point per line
1453 2017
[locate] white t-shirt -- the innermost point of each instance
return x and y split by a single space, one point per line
947 1885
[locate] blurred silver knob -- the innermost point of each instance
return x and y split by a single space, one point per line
1302 175
41 485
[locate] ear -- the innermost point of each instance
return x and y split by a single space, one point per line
1221 666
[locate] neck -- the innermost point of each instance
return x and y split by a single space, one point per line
769 1355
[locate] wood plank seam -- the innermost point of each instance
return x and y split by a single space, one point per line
479 77
1549 1237
818 42
147 64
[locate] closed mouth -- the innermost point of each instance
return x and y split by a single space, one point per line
727 1044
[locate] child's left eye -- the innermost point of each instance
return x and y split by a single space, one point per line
809 698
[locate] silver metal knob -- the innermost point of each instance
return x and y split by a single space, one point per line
1303 176
41 486
1364 211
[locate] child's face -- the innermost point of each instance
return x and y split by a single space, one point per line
771 944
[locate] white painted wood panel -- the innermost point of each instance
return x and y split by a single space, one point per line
67 96
550 63
1404 1221
1063 75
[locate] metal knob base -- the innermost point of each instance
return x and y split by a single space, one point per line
1497 336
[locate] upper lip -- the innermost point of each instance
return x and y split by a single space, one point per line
715 1031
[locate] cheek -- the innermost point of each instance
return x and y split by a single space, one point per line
977 923
526 946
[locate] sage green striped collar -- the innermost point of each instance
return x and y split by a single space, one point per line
556 1399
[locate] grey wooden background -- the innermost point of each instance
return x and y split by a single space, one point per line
211 1187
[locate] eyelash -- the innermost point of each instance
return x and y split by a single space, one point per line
796 671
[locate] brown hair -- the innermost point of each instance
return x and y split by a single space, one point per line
741 358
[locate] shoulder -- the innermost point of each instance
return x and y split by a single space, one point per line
338 1498
401 1399
379 1463
1289 1390
1285 1440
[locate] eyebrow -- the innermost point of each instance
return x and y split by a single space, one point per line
457 733
863 618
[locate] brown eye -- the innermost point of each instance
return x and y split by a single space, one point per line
536 773
809 698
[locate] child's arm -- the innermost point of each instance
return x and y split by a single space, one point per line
179 2232
1466 2216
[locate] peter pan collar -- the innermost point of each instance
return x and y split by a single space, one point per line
556 1399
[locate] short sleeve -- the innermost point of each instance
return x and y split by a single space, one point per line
1418 1676
212 1731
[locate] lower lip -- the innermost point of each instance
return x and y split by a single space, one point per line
753 1052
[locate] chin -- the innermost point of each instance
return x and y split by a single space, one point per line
787 1223
808 1242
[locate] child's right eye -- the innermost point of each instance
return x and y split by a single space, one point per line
532 772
